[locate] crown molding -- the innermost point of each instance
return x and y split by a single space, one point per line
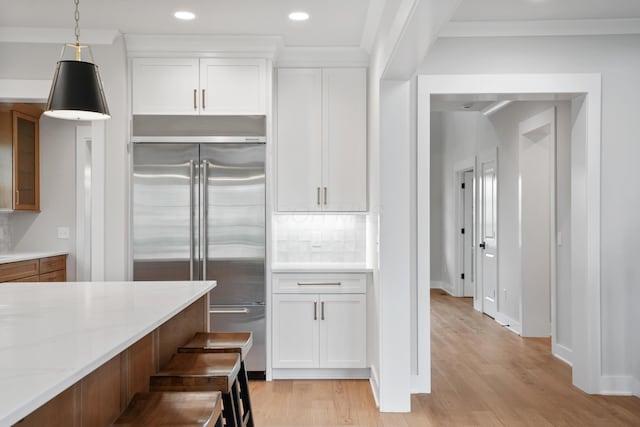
56 35
322 57
581 27
140 45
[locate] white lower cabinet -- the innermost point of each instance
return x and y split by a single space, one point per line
319 331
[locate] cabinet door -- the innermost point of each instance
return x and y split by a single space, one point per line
165 86
295 331
343 332
26 162
345 139
299 150
233 86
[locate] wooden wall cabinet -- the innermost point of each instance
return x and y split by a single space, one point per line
50 269
19 161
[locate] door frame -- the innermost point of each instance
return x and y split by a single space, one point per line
585 210
459 170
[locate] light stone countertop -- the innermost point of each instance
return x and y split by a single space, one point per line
54 334
24 256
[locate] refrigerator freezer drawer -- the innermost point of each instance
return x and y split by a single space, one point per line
232 318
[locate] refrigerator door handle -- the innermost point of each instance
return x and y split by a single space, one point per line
205 215
191 214
228 310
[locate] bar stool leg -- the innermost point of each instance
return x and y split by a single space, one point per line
244 392
229 410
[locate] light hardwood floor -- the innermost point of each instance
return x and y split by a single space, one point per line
482 375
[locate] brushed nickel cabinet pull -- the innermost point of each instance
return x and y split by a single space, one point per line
322 310
195 99
318 196
17 197
203 101
319 283
325 196
315 310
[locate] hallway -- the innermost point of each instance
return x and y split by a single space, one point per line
482 375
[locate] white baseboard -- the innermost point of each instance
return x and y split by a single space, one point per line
509 323
436 284
636 387
562 353
616 385
375 385
321 374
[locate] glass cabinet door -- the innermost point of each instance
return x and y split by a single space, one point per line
26 162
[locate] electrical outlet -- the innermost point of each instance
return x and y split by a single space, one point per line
63 233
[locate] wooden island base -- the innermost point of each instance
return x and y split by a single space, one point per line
100 397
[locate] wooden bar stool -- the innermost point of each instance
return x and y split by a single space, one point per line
227 342
203 372
197 409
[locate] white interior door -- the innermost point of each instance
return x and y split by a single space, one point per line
468 246
488 230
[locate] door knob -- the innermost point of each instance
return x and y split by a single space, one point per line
483 245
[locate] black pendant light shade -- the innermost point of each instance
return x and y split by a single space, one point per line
76 92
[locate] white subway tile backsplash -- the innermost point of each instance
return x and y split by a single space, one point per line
319 238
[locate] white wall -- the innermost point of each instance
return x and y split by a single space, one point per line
456 136
38 231
617 58
436 199
113 69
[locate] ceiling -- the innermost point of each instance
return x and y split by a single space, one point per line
332 22
524 10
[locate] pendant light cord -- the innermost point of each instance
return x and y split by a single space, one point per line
77 29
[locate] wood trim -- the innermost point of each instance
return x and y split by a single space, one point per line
54 276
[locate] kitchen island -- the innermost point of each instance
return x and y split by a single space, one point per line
76 353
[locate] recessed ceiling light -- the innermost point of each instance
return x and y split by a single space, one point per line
299 16
187 16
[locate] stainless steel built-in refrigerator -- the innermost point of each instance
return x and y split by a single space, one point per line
199 213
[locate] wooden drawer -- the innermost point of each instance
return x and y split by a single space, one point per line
318 283
53 263
54 276
18 270
28 279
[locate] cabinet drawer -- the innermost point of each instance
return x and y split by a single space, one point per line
318 283
53 263
54 276
28 279
17 270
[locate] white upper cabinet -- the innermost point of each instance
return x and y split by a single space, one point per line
344 167
165 86
321 140
233 86
299 155
220 86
